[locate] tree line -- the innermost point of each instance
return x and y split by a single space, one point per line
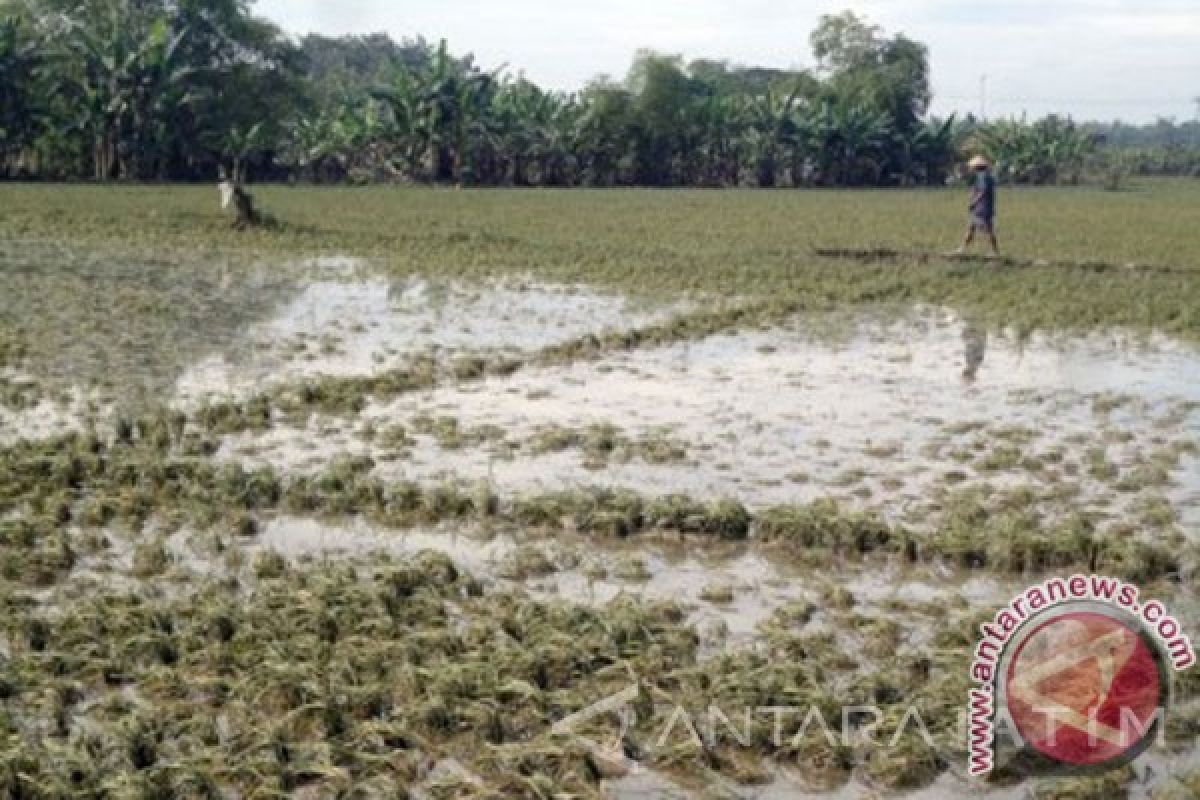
168 90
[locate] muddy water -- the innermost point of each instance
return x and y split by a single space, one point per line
348 323
89 321
650 568
873 415
49 414
678 573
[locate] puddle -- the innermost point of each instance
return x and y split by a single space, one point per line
48 414
786 415
749 586
584 573
298 538
90 321
338 326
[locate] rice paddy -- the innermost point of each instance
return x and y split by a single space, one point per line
367 504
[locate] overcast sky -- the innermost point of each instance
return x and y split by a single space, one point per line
1095 59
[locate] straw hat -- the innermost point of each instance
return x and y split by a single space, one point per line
979 162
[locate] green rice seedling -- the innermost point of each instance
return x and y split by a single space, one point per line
1140 562
822 525
880 635
610 513
954 477
270 564
1156 512
526 562
235 417
850 477
824 764
965 427
727 519
883 450
675 512
600 442
1015 435
791 616
633 570
1096 787
1178 787
549 511
151 558
910 763
485 502
659 447
19 394
553 439
449 433
469 368
1098 465
1019 545
1143 475
1118 436
447 502
395 437
838 597
1183 728
1107 402
999 459
963 455
244 525
717 594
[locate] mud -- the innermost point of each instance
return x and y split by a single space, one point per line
348 323
879 413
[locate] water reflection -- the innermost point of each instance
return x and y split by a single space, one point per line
975 342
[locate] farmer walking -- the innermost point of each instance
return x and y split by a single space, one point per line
982 206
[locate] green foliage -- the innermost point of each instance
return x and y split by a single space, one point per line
161 90
1051 150
125 89
156 89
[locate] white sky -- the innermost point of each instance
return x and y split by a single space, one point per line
1094 59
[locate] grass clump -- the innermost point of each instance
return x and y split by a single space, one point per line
1095 787
718 594
822 526
601 443
525 563
151 558
726 519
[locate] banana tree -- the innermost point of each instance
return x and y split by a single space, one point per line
849 141
127 71
1047 151
773 130
604 134
405 130
928 154
21 110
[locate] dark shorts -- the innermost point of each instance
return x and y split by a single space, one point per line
981 223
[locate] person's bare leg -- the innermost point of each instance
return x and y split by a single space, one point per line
992 239
966 242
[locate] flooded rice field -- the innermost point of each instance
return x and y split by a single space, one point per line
543 491
885 413
339 325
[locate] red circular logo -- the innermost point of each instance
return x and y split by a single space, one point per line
1084 688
